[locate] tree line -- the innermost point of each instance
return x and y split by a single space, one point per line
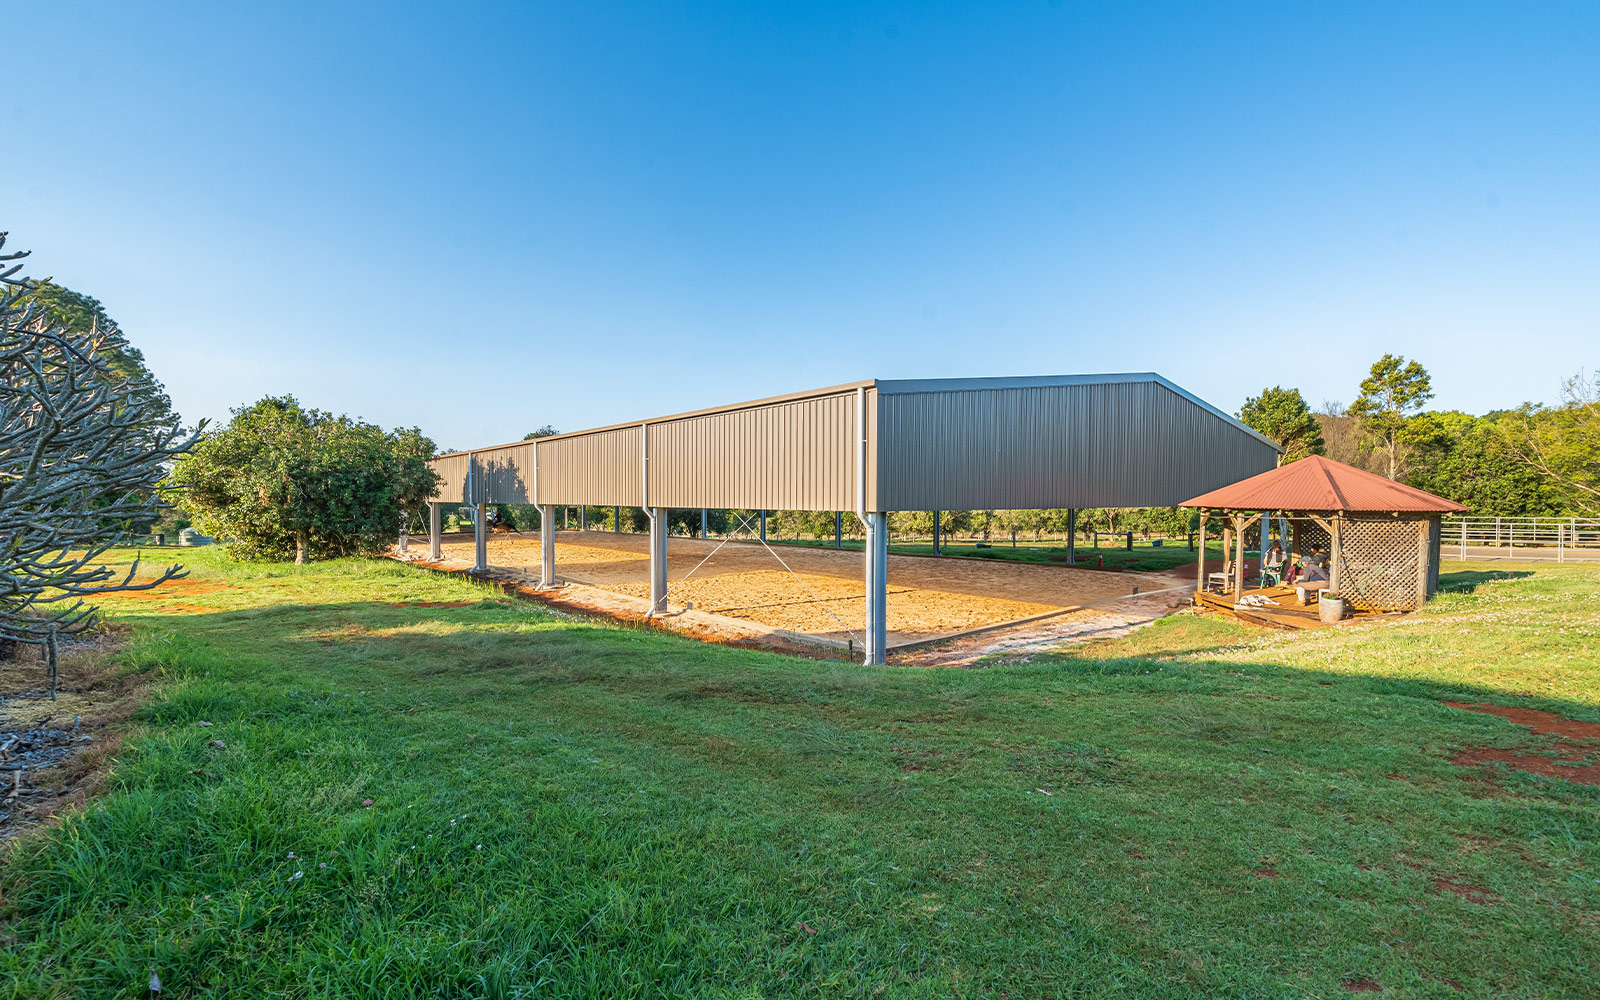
1533 460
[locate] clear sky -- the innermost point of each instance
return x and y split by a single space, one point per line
479 218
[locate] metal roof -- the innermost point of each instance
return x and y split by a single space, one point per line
1318 483
901 386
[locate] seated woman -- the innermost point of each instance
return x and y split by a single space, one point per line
1313 577
1272 566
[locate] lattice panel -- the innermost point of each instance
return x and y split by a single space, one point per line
1380 564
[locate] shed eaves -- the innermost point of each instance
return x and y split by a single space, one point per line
1318 483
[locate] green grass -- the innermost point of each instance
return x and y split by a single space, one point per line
1143 557
659 817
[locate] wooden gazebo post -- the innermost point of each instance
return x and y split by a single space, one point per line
1335 556
1200 563
1239 557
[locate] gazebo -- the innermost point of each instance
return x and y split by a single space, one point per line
1382 537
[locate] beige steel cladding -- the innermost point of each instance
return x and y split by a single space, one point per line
452 470
505 474
939 444
1026 443
597 467
794 455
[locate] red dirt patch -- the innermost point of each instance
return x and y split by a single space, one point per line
1568 767
1539 722
1362 986
431 604
173 588
1471 893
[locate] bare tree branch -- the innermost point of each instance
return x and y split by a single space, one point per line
80 458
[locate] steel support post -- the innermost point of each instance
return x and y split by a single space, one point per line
763 526
480 538
1072 536
434 518
877 572
936 532
583 518
838 529
616 519
658 559
704 521
547 548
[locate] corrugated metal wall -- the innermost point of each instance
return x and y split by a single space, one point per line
506 474
602 468
1094 444
1102 441
453 470
795 455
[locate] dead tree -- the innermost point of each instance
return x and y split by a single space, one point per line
79 463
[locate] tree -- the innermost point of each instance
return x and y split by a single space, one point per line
546 431
1284 416
1468 459
81 315
281 481
1563 442
1395 389
80 454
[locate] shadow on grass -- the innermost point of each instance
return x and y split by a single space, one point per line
1466 581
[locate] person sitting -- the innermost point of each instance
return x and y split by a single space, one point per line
1272 566
1312 577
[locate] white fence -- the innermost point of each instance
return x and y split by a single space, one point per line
1554 538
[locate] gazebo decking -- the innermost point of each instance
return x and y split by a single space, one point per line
1288 613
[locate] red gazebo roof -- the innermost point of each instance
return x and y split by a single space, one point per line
1318 483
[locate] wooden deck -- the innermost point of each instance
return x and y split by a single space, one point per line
1288 614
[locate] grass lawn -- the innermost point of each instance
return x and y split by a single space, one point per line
1143 557
568 809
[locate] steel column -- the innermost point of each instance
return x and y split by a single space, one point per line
583 518
480 537
877 573
936 532
703 521
763 526
658 559
1072 536
616 519
838 529
434 518
547 548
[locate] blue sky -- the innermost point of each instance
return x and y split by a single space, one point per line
479 218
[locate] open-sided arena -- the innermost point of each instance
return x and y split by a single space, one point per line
867 448
742 590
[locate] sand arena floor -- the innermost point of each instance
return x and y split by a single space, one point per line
822 598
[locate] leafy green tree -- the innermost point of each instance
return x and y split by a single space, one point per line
79 314
543 432
1284 416
1393 391
1468 459
281 481
1563 443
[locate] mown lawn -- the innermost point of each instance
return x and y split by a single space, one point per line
567 809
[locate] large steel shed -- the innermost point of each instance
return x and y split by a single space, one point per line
1068 441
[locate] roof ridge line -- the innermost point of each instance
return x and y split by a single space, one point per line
1344 502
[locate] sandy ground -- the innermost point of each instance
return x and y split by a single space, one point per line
741 591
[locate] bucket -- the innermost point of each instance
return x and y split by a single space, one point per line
1330 608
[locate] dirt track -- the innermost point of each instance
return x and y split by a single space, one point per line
928 598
